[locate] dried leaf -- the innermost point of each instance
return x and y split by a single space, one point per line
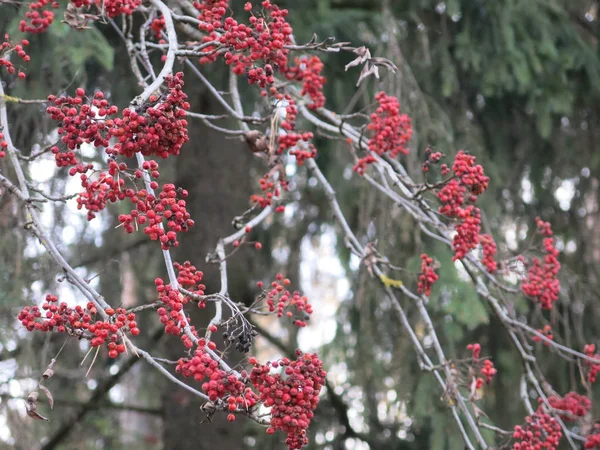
33 396
49 372
367 70
35 415
48 394
32 407
384 62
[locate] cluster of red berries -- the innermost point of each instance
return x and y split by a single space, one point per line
577 405
541 431
593 369
81 122
262 41
467 231
292 395
8 47
271 190
172 314
487 368
211 14
159 128
3 146
293 139
157 26
278 298
80 321
431 158
108 187
541 282
547 332
467 183
390 131
470 174
216 382
114 8
475 349
301 153
592 441
428 277
308 71
489 252
172 210
38 17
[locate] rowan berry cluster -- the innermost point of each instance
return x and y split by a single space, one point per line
308 71
488 371
475 349
486 368
80 321
157 26
431 158
172 314
81 122
576 405
169 208
489 252
114 8
390 131
8 47
216 382
271 188
541 431
470 174
592 441
428 277
541 282
158 129
292 395
546 331
467 184
38 17
593 368
260 42
302 153
279 299
98 192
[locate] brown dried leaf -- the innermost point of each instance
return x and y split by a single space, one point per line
33 396
368 70
48 394
77 18
49 372
36 415
384 62
363 55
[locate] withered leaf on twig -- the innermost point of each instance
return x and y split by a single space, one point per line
370 64
32 407
77 18
48 395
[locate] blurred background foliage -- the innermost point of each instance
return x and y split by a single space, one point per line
514 82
